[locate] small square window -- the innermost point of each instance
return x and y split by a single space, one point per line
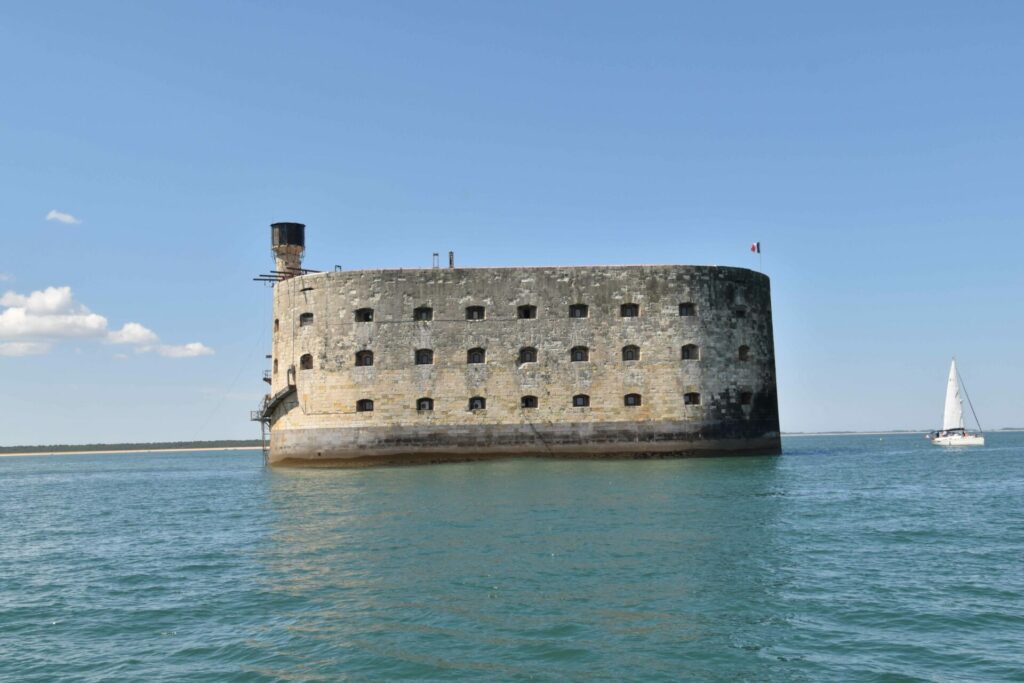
579 311
526 312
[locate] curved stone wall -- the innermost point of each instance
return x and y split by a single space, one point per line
721 400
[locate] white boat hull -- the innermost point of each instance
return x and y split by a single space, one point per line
959 440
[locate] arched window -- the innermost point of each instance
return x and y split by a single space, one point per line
629 310
687 309
632 400
526 312
277 325
423 313
364 405
690 352
630 352
424 403
475 356
580 401
527 354
578 311
364 358
740 312
746 398
579 353
364 315
424 357
691 399
744 353
275 366
305 319
528 402
478 403
306 362
474 313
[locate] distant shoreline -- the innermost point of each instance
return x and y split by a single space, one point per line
256 447
133 450
785 434
895 433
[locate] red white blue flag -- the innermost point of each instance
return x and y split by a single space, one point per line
756 247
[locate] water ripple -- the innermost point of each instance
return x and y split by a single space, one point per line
851 558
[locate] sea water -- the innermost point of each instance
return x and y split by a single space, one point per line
849 558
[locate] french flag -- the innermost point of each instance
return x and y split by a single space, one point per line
756 247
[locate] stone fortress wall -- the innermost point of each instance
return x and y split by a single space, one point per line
722 399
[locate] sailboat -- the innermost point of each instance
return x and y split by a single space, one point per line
953 432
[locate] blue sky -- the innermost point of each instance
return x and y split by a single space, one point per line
875 150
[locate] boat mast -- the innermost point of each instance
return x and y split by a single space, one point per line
976 420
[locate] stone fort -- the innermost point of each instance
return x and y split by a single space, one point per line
430 365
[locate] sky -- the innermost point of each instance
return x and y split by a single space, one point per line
875 149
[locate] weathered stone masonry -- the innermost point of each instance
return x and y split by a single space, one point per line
732 374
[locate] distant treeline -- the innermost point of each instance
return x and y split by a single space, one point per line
153 446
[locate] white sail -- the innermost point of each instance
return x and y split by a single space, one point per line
953 416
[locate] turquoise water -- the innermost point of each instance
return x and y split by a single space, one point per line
847 559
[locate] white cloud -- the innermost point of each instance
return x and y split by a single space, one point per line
185 350
132 333
6 277
49 300
48 315
62 217
14 349
21 322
